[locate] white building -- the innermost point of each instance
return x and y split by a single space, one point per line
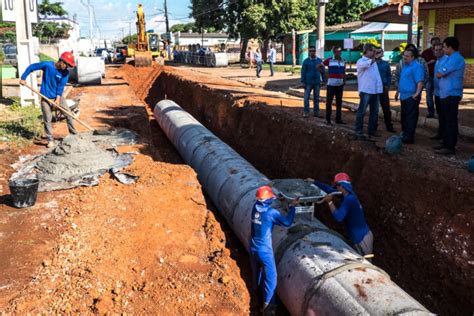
183 39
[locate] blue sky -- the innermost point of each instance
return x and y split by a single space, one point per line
116 16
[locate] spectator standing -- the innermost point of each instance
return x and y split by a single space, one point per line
429 56
386 76
399 67
451 78
439 53
312 73
410 87
335 85
370 87
258 61
272 58
249 56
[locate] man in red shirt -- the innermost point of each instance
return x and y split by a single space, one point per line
430 58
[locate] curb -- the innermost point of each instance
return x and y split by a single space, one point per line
429 123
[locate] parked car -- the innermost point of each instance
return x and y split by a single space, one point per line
9 50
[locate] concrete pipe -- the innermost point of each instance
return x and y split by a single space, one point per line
318 272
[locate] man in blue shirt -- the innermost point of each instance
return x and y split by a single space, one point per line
312 72
262 261
386 76
55 77
409 89
350 212
272 58
451 78
440 59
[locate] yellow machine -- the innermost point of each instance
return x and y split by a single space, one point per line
147 46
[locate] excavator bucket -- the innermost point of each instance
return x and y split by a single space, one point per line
143 59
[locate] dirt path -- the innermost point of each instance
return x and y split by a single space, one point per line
153 247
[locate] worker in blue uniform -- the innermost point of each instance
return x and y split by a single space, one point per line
350 212
262 260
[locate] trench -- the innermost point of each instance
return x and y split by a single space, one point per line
420 210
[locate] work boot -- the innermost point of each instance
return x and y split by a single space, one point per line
437 136
445 151
341 122
305 115
317 115
269 309
328 122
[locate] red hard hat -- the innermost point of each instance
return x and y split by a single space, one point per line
264 193
68 58
341 177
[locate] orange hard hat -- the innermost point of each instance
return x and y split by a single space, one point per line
264 193
341 177
68 58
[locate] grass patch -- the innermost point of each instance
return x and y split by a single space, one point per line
44 57
19 125
283 68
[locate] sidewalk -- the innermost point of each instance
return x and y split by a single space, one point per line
290 84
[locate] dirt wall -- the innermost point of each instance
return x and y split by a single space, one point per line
420 208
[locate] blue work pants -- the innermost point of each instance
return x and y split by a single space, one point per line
264 275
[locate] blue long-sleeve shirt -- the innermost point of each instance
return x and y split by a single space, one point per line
451 84
310 73
264 217
54 80
350 212
385 72
437 67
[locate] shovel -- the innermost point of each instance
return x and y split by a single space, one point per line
66 112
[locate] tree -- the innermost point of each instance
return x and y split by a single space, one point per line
129 39
51 31
343 11
184 28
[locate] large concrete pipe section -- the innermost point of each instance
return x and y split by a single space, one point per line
318 272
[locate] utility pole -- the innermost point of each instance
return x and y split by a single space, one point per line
413 24
130 29
321 27
166 18
89 7
25 49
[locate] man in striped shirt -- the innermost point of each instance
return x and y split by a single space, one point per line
335 87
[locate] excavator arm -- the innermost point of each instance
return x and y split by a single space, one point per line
143 57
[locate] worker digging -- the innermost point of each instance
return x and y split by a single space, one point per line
54 79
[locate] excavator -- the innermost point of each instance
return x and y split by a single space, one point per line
147 46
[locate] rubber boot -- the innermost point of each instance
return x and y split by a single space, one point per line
269 310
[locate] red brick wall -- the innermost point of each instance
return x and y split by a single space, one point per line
443 16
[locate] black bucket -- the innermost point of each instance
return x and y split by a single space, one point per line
24 192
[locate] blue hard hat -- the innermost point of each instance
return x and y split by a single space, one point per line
393 145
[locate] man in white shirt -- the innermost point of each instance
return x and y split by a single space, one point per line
272 58
370 86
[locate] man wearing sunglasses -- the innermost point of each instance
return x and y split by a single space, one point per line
312 73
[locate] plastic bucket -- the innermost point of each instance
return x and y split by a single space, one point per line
24 192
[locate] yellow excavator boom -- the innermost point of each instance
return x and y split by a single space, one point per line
143 57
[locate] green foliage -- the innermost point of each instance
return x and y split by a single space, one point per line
19 124
343 11
184 27
51 31
209 14
44 57
47 8
129 39
2 58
